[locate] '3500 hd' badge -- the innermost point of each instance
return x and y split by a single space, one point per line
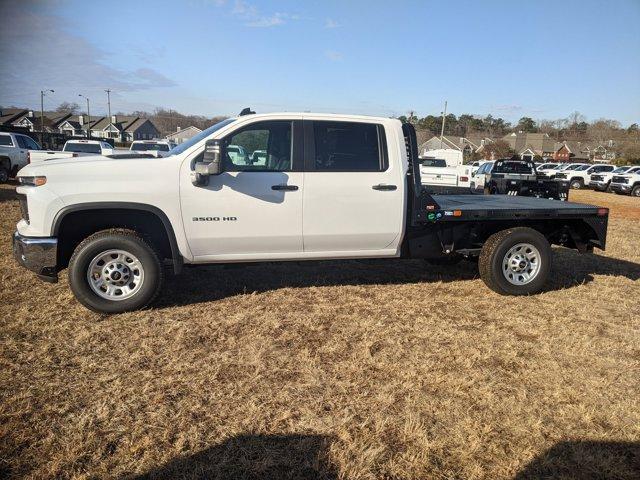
214 219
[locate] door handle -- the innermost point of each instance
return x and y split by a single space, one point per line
287 188
384 187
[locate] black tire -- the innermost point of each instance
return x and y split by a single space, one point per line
576 184
635 192
115 239
4 174
493 253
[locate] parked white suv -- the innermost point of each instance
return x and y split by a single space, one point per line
157 148
15 153
601 181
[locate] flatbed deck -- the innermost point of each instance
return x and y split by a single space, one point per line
510 203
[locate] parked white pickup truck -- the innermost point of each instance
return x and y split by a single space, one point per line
75 148
580 176
157 148
15 152
626 184
436 173
332 187
601 181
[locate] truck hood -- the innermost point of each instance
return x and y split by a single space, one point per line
86 164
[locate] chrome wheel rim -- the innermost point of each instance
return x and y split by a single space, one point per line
115 275
521 264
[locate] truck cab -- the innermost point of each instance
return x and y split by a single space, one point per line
326 186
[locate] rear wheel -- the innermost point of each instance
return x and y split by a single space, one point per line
115 271
516 261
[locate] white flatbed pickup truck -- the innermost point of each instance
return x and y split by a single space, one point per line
331 187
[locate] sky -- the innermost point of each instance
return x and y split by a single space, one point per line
543 59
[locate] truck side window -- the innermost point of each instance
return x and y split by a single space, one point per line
21 142
5 141
348 147
31 144
260 147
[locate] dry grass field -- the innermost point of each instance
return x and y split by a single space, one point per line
357 370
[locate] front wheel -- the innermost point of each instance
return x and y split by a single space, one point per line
115 271
4 174
576 184
636 191
516 261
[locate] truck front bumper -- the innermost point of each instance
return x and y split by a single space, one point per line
37 254
621 187
599 185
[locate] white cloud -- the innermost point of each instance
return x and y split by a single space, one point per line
252 17
331 23
53 58
333 55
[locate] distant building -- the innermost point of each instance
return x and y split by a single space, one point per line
125 128
530 145
462 144
121 128
183 134
32 120
573 152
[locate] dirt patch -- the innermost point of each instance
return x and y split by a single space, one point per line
329 370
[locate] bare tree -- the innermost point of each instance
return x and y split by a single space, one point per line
68 107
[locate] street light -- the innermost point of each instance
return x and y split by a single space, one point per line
88 115
42 95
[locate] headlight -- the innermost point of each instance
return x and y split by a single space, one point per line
33 181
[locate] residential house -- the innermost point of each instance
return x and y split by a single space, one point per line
32 120
183 134
531 145
125 128
468 146
572 152
76 125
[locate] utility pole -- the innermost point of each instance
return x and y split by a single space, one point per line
88 115
109 108
444 116
42 94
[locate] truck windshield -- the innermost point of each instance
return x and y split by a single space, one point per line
143 147
434 162
82 147
200 136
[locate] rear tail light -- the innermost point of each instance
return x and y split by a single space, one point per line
464 179
28 157
603 212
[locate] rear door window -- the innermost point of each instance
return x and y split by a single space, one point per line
348 147
5 141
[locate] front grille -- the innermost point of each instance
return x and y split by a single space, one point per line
620 180
24 209
597 178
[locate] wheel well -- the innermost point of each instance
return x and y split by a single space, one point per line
77 225
5 162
